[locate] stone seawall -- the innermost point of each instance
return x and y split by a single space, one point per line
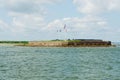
48 43
69 43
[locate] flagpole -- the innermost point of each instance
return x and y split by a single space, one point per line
64 32
65 29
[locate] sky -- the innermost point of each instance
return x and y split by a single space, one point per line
45 19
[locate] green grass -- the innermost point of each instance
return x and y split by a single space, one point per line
74 40
67 40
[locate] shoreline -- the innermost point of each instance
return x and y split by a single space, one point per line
10 44
24 45
60 43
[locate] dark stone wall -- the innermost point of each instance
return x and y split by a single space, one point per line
85 43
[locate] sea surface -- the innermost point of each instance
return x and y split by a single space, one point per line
50 63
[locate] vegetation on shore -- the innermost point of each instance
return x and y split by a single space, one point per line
68 40
26 42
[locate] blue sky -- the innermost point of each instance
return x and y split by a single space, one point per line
40 19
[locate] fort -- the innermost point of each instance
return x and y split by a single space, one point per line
71 43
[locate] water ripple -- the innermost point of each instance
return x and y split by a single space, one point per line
37 63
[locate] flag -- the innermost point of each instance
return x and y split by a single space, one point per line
60 30
65 26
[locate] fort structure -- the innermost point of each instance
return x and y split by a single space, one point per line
71 43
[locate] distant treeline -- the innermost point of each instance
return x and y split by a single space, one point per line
25 42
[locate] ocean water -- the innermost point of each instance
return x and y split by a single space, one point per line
37 63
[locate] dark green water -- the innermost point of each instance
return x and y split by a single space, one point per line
32 63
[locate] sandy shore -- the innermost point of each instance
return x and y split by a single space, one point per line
10 44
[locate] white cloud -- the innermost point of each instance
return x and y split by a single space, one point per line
26 23
83 27
79 24
96 6
27 15
86 27
3 26
26 6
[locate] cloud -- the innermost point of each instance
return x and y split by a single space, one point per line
3 26
96 6
27 23
26 15
79 24
26 6
86 27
